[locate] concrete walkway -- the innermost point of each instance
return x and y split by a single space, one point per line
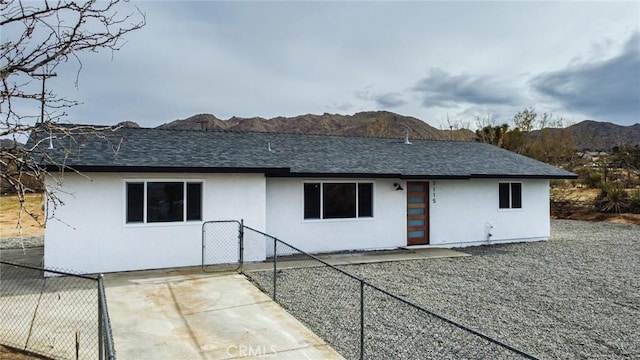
185 314
366 257
401 254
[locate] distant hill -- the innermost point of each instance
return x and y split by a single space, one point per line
128 124
588 134
595 135
370 123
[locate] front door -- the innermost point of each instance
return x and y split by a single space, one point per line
417 213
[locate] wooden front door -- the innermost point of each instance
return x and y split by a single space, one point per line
417 213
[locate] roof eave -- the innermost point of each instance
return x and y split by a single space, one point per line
422 176
334 175
286 172
524 176
172 169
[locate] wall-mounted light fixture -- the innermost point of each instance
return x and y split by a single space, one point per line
398 186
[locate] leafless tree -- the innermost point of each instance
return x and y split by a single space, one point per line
455 129
37 37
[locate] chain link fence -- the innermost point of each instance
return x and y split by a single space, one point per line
222 244
401 329
286 280
360 320
52 313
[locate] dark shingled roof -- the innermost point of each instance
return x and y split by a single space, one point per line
158 150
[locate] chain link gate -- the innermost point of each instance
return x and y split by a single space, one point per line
222 245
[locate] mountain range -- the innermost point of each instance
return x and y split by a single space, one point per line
369 124
588 134
596 135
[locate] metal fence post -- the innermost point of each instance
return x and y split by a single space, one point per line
275 266
361 319
100 319
204 247
241 239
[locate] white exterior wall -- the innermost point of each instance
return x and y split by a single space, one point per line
91 235
464 210
285 219
460 216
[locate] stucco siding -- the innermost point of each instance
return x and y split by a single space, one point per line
466 211
89 232
285 219
462 213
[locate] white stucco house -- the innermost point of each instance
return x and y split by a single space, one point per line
136 198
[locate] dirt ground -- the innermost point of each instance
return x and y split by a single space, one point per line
614 218
9 211
10 354
575 193
582 198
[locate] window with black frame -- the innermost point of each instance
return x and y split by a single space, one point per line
338 200
163 201
510 195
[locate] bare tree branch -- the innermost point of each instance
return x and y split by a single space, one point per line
37 37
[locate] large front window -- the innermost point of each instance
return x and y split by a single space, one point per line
163 201
338 200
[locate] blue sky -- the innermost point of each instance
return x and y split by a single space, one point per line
430 60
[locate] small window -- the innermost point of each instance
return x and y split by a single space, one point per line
338 200
135 202
194 201
161 202
365 200
510 195
516 195
312 201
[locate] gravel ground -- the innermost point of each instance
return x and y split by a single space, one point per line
18 243
576 296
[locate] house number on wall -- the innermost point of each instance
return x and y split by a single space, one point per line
433 192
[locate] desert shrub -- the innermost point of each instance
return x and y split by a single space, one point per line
559 183
634 202
589 177
612 198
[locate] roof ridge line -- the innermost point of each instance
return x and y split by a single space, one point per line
240 131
